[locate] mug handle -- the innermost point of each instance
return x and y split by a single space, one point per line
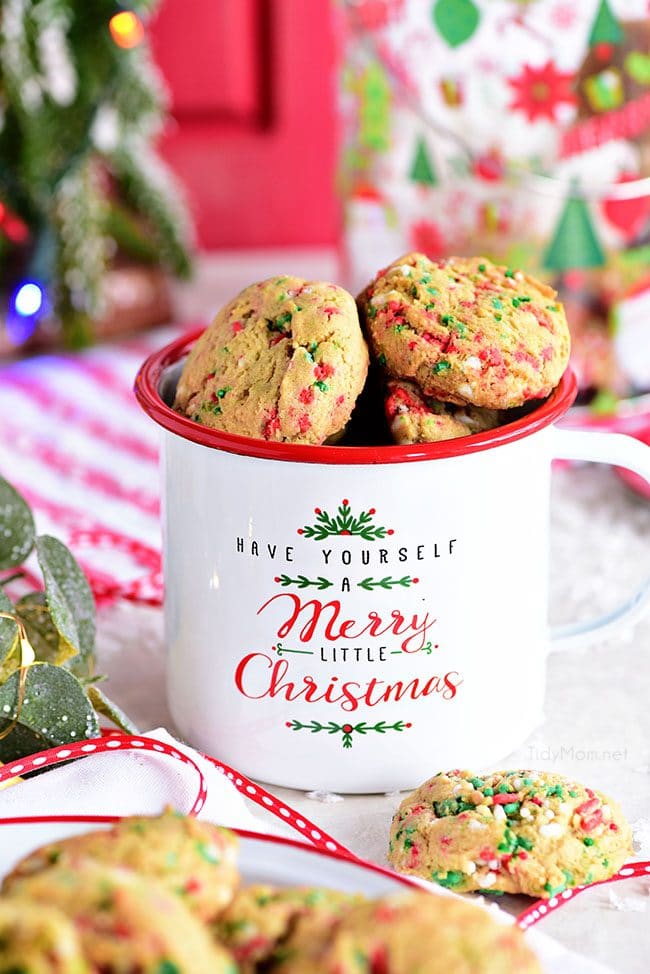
621 451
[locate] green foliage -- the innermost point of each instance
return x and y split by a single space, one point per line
61 701
79 115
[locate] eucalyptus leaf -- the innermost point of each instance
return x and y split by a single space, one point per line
9 648
69 600
17 531
55 711
41 631
106 708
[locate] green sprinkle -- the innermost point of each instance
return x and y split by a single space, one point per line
481 267
512 808
432 290
555 790
573 794
503 788
477 782
208 852
498 317
382 359
524 843
360 959
167 967
452 806
521 300
372 311
496 303
414 291
425 280
492 892
408 843
442 366
399 329
553 891
280 322
528 781
222 392
587 841
283 296
281 280
321 385
488 792
429 307
216 409
450 879
552 307
605 863
569 877
509 273
447 319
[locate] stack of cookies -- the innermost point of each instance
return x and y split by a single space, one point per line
461 346
163 896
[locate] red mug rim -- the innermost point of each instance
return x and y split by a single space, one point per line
148 379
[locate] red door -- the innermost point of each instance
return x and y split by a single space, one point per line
253 132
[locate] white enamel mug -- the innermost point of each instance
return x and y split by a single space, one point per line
336 617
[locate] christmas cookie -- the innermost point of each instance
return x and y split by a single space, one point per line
260 918
285 360
467 331
414 418
38 939
404 934
194 859
510 831
125 922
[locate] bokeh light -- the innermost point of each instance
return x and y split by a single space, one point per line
126 29
28 299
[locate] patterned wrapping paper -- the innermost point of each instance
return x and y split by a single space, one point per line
519 129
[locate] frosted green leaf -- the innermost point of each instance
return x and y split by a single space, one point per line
9 651
55 711
106 708
41 631
456 20
16 527
69 600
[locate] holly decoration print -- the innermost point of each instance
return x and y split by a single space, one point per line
344 523
456 20
48 691
348 730
574 243
422 171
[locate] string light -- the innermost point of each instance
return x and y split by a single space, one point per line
126 29
27 302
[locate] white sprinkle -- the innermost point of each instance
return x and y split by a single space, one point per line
404 269
499 813
519 276
465 390
550 814
525 813
488 880
475 824
469 867
473 362
517 783
493 863
551 831
379 300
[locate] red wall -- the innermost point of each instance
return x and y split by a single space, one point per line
253 130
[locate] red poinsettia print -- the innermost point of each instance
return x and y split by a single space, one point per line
540 91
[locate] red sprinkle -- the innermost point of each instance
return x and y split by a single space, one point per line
304 423
306 395
323 371
272 424
237 326
505 799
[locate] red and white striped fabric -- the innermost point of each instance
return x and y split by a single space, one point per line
75 443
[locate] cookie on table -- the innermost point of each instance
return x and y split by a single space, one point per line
260 917
466 330
285 360
196 860
414 418
125 922
38 939
402 934
510 831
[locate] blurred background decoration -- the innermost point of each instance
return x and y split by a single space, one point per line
88 212
519 129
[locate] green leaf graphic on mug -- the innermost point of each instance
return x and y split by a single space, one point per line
18 531
55 711
69 600
456 20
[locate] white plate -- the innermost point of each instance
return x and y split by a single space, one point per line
284 862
